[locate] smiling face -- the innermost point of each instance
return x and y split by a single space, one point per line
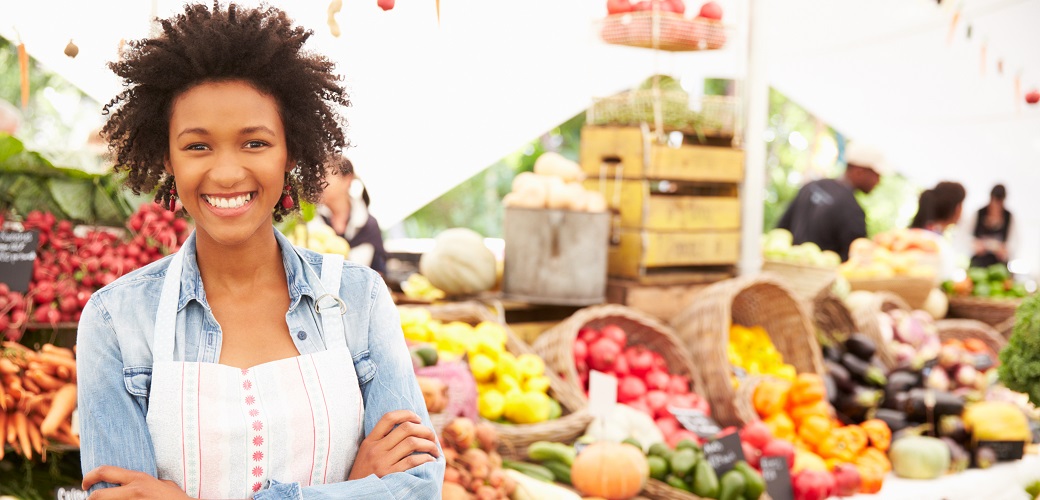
229 158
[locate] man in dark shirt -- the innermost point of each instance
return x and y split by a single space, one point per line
826 212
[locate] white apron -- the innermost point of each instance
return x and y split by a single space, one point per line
222 432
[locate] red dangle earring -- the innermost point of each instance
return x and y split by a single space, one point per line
173 198
287 201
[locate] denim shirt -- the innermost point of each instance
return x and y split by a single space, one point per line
114 364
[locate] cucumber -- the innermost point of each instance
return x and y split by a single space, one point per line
561 471
531 470
543 451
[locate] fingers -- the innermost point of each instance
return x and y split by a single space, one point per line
108 474
412 445
411 462
408 430
391 420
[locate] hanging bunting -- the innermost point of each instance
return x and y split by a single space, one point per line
23 71
1000 66
438 12
334 7
953 25
969 32
1018 89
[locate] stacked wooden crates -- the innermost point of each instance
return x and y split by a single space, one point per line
676 205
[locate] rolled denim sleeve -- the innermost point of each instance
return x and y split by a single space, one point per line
392 388
113 425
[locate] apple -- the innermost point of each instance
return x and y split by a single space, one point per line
711 10
1033 96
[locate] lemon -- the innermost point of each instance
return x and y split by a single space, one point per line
527 407
491 330
506 383
507 365
786 372
483 367
491 404
530 365
539 383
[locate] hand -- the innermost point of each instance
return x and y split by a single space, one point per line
132 484
398 442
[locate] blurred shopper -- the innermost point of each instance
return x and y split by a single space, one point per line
344 206
938 209
826 212
992 231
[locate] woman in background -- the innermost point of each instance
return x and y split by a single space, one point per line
344 206
992 231
937 210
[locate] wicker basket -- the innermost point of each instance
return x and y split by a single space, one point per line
1006 328
515 438
755 300
665 31
990 311
963 329
833 319
914 291
717 117
556 346
659 490
744 400
866 318
805 281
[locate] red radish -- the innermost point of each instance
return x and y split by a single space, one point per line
751 454
657 361
1033 96
711 10
756 434
668 425
846 480
678 384
678 6
658 380
630 388
385 4
621 367
580 349
603 353
640 361
658 403
616 334
618 6
588 335
779 448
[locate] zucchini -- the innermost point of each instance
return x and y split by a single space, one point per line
542 451
560 471
531 470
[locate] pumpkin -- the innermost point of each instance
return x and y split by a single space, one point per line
614 471
459 263
555 165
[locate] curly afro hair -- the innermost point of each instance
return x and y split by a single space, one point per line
259 46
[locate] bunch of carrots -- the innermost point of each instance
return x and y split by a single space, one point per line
37 398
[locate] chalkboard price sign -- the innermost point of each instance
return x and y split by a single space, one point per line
777 476
724 453
696 422
17 254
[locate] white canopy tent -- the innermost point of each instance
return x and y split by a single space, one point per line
435 104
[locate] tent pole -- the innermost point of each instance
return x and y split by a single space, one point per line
756 99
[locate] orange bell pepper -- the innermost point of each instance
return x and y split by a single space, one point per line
878 432
819 408
814 429
871 479
781 426
844 443
873 457
770 397
808 388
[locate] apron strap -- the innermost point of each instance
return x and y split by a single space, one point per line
166 315
329 305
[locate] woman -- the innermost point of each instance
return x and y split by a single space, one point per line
992 231
937 210
219 372
344 207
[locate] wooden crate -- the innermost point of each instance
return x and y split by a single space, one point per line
631 153
556 256
656 256
688 207
664 301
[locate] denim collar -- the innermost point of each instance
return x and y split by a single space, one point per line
295 273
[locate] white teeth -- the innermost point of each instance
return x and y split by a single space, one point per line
235 202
